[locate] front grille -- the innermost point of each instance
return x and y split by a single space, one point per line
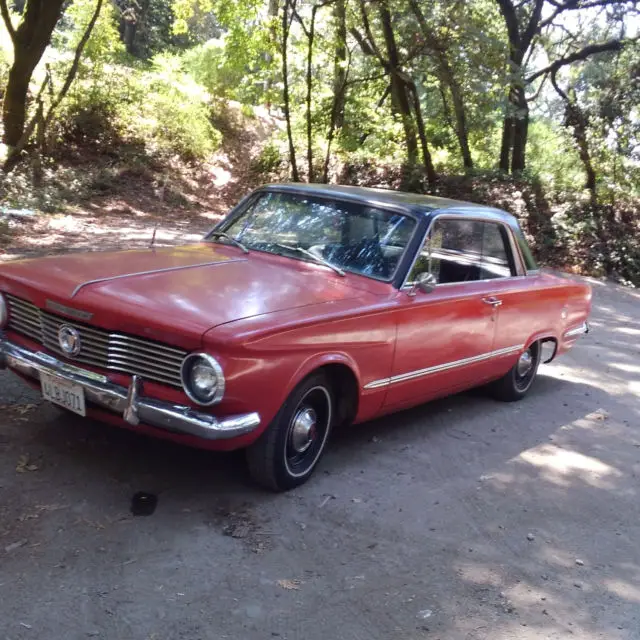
102 349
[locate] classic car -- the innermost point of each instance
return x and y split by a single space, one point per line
307 308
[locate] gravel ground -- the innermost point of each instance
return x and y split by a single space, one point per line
462 519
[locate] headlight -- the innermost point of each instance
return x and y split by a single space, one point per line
4 312
202 378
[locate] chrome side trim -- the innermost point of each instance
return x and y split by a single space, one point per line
128 402
403 377
577 331
152 271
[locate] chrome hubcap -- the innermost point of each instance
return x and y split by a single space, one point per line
303 431
525 362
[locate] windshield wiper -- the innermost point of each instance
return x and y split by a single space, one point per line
231 239
313 256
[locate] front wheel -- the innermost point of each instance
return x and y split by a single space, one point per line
517 382
286 454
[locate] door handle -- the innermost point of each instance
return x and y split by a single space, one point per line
493 301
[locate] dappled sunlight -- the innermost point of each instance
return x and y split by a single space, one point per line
582 376
479 573
627 331
220 176
558 465
634 387
623 589
564 462
623 366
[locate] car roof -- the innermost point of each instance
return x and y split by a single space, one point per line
416 203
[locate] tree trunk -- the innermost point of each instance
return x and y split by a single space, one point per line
577 121
129 35
41 121
14 107
520 132
310 38
399 89
274 6
461 130
340 62
30 40
521 31
447 77
507 143
580 137
426 155
286 23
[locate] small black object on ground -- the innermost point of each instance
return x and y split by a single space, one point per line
143 503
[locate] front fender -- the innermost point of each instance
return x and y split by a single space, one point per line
316 361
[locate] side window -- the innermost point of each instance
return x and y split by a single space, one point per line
459 250
496 255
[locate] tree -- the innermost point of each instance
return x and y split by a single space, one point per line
29 39
403 90
437 49
340 61
287 18
524 22
43 117
577 120
310 32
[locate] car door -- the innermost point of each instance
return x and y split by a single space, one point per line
444 337
525 309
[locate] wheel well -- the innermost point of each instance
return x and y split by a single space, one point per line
345 388
548 349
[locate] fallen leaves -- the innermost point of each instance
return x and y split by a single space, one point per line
19 410
600 415
24 464
290 585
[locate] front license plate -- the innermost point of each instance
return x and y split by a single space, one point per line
63 393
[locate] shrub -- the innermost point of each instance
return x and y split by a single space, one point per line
159 108
173 115
271 159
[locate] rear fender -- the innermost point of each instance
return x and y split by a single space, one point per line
549 340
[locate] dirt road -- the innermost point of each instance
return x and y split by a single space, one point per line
463 519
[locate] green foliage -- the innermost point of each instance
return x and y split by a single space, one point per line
154 71
552 158
6 56
147 27
161 109
238 62
174 115
104 43
270 160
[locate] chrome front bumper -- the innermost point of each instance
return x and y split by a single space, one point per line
127 402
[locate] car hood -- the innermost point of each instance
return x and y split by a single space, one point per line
192 288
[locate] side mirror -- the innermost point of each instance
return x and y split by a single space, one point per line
425 282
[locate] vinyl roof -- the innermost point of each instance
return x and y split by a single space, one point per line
413 201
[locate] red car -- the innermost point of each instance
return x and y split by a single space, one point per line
307 307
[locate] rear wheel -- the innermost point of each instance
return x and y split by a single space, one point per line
288 451
517 382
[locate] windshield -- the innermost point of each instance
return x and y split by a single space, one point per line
350 236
